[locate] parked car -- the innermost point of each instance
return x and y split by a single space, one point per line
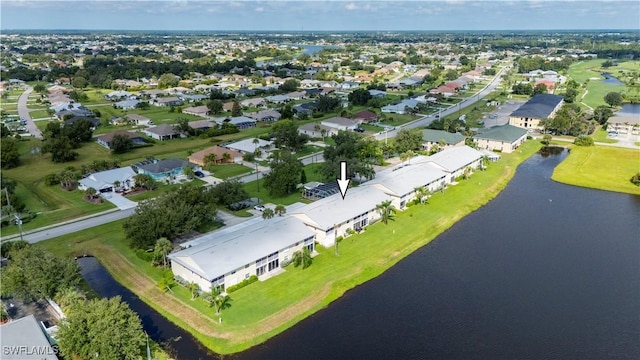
360 130
259 207
198 174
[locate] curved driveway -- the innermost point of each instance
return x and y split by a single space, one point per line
23 111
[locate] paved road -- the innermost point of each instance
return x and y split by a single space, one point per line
23 111
426 120
40 235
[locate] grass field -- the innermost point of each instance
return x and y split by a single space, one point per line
229 170
596 90
601 136
265 309
600 167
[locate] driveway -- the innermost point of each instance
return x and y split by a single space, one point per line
23 111
120 201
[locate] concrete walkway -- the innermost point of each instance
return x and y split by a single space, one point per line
120 201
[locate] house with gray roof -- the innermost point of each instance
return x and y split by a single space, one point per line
402 107
505 138
25 339
269 115
332 216
456 160
127 104
106 181
162 169
443 139
278 99
248 146
400 182
226 259
340 123
241 122
105 140
162 132
541 106
316 130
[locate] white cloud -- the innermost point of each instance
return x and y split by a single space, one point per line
351 6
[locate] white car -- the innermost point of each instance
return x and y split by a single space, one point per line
259 207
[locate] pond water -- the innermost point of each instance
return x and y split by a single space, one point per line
609 79
178 342
629 109
543 271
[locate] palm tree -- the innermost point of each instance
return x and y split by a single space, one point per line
188 171
90 193
421 194
280 210
217 299
161 249
302 257
69 297
166 283
267 213
210 159
226 157
193 288
385 209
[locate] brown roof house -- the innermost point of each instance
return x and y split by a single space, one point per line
202 111
198 158
365 116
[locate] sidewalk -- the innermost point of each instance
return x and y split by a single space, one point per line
17 235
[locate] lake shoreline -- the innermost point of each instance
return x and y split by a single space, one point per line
456 203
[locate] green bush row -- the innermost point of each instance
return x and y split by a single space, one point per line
243 283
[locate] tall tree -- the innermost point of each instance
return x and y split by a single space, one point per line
349 146
284 175
289 85
121 144
280 210
236 110
101 328
286 135
602 114
613 99
161 249
215 106
34 273
408 139
359 97
217 299
194 290
9 153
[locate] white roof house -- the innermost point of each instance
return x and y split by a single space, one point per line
454 159
400 182
340 123
104 180
227 254
332 215
247 145
27 339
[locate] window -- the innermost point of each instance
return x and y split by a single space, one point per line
246 276
218 282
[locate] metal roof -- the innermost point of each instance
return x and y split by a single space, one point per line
27 339
402 180
508 133
538 107
437 135
219 254
455 158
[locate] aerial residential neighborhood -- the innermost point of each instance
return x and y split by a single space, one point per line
191 194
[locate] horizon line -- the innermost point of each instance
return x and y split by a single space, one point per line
309 31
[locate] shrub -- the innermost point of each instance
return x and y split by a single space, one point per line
243 283
51 179
144 255
583 140
635 179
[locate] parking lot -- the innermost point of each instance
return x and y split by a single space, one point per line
500 116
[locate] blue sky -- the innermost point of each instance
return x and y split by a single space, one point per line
319 15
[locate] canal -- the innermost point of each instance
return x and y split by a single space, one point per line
545 270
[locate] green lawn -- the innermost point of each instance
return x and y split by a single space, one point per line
38 114
226 171
590 71
163 188
308 150
600 167
372 128
397 119
264 309
601 136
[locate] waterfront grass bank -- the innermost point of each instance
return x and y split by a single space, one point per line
264 309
